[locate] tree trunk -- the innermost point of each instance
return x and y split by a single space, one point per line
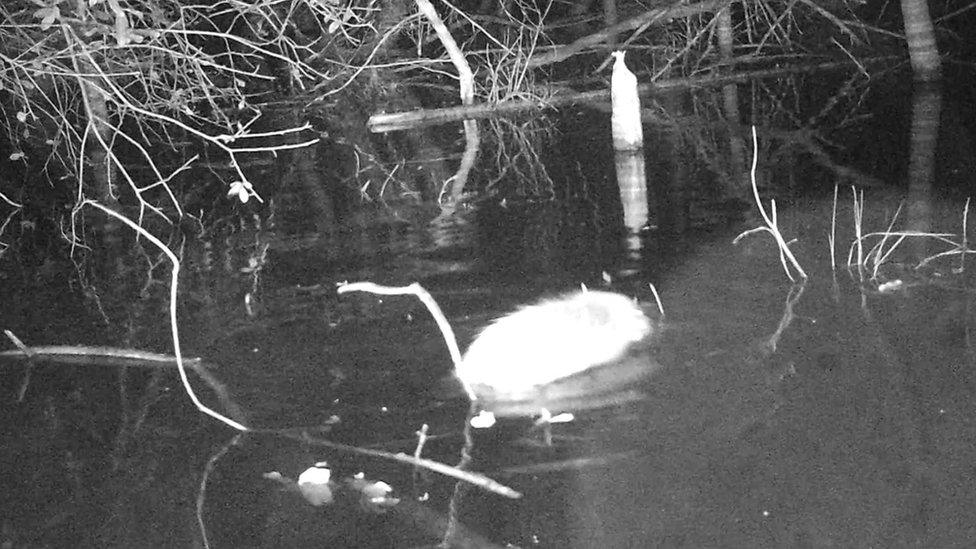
922 48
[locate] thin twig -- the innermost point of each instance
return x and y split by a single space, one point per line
771 224
174 328
833 233
470 477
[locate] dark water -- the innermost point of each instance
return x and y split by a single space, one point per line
833 413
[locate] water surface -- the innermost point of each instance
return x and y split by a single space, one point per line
838 412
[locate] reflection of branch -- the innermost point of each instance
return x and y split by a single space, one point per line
806 140
656 15
792 298
385 122
516 155
202 492
460 178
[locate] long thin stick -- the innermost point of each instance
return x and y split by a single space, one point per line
174 280
435 311
858 232
470 477
965 238
878 257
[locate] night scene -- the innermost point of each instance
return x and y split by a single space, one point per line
487 274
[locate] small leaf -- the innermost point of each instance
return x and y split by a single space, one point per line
49 19
240 189
48 16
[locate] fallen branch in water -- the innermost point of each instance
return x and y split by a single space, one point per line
385 122
470 477
114 357
82 355
428 300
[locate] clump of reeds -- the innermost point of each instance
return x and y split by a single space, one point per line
886 242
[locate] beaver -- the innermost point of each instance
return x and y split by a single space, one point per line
553 339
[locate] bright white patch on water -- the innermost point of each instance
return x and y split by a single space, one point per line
553 339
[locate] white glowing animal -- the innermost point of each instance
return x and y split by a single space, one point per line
552 339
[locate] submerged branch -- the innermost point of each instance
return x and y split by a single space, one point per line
83 355
471 477
115 357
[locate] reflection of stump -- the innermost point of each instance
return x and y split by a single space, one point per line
628 135
632 181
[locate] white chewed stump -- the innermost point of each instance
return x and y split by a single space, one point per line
521 353
625 119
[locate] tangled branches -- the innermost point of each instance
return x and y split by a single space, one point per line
84 82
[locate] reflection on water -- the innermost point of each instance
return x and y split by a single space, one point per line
833 414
